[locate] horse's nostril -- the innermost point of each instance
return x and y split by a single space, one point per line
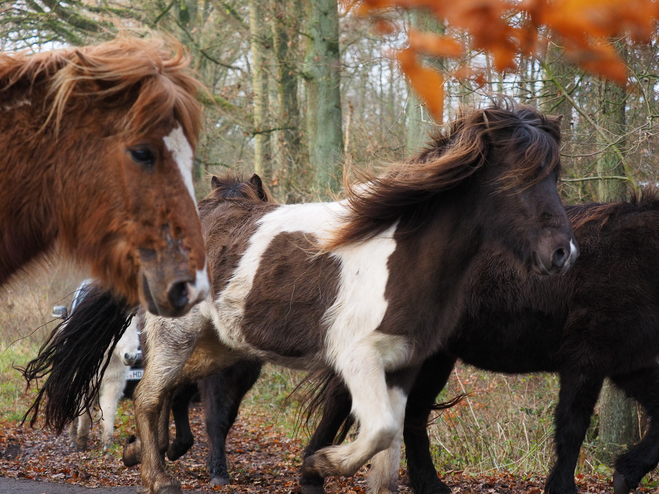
179 294
126 357
560 257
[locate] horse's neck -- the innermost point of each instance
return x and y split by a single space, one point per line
27 220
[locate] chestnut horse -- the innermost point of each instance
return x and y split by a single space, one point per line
96 150
368 287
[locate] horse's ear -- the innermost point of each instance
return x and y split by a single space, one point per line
256 181
215 182
554 124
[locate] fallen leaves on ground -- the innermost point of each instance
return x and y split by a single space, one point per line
262 459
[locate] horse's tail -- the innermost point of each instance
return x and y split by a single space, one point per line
321 396
318 393
74 358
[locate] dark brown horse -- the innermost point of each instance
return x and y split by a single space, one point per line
600 320
96 164
369 287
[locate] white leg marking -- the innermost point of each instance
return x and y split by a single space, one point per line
383 477
183 154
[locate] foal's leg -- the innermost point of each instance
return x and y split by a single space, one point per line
631 467
222 394
577 398
430 381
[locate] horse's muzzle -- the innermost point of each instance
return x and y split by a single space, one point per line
558 262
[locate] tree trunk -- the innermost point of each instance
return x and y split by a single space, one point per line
618 415
258 40
618 427
285 27
419 122
612 120
322 73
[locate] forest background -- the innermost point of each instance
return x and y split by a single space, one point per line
304 91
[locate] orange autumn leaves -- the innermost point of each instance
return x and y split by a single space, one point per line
507 29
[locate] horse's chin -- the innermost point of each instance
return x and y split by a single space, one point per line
184 301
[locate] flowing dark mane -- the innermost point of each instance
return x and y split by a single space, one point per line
152 71
529 137
647 199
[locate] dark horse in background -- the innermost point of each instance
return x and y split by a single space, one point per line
601 319
369 287
96 151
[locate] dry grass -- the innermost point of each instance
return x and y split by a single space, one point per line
25 323
505 424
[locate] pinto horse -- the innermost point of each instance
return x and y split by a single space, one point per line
600 320
96 164
368 287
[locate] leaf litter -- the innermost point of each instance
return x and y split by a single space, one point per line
262 459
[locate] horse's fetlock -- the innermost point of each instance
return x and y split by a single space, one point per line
319 464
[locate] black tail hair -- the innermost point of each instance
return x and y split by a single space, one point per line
74 358
320 387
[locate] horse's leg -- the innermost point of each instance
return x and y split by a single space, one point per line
108 401
631 467
82 434
430 381
222 394
336 409
180 410
576 402
73 432
386 464
163 424
379 409
169 344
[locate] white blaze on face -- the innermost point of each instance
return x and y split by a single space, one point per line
183 154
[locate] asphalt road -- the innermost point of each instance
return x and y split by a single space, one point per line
13 486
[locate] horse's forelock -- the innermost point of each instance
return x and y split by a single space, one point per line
156 68
532 145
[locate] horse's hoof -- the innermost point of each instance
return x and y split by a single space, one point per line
170 489
219 480
620 485
131 455
312 489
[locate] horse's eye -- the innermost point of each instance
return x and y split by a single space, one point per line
143 156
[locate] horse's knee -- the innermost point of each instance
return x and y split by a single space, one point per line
132 454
